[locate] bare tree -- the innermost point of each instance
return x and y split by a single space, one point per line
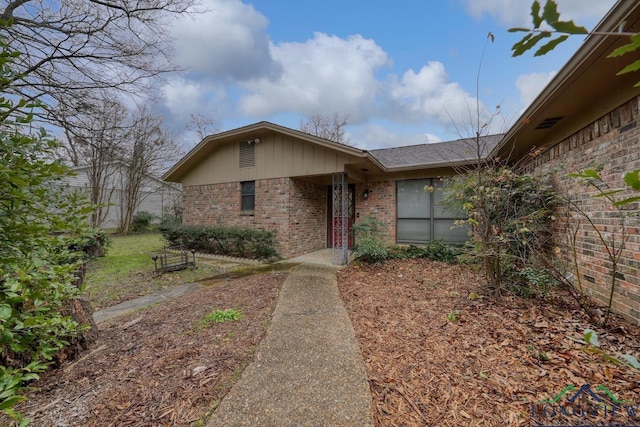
201 125
327 128
97 142
74 47
150 148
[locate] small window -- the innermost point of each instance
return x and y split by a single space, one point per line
248 195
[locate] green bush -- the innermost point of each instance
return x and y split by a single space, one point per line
534 282
437 251
141 221
230 241
42 227
370 240
93 244
511 215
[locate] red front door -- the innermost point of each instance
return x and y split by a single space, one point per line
334 223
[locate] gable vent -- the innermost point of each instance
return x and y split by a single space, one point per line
549 122
247 154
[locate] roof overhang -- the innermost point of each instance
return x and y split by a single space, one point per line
585 89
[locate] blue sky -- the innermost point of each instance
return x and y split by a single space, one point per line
403 72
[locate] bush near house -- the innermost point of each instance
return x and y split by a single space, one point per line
230 241
511 216
370 240
141 221
436 251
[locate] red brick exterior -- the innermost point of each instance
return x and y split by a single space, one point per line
294 209
612 142
307 217
380 204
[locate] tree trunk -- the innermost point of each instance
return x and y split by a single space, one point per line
81 311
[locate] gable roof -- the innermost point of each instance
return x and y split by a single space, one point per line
423 156
209 143
584 90
449 153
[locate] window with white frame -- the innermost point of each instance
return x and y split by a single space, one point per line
420 216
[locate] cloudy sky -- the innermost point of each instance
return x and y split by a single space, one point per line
403 72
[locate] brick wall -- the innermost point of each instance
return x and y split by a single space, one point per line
219 205
380 204
294 209
612 142
307 217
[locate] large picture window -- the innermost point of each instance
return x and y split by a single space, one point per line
420 216
248 195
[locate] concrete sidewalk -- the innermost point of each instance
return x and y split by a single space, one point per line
308 370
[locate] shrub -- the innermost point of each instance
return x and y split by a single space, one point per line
533 282
141 221
93 244
39 226
437 251
231 241
370 243
511 216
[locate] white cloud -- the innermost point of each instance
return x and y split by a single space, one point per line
372 136
517 12
326 75
429 95
530 85
184 97
229 40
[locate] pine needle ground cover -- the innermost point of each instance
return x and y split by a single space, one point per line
440 353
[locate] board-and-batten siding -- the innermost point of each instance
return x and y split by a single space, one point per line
276 156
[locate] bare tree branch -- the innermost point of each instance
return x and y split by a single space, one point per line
327 128
72 47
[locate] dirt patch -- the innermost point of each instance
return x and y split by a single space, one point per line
147 281
160 366
438 353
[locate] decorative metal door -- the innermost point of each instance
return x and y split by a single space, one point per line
341 217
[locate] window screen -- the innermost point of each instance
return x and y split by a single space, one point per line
248 195
420 216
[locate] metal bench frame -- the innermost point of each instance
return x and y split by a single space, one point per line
168 261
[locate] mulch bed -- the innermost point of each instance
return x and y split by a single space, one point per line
440 353
159 366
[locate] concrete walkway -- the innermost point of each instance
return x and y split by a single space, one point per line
308 370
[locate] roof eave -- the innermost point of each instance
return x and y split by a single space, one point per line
451 164
588 48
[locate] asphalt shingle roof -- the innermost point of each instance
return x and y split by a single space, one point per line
458 151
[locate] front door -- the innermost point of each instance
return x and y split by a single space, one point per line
333 222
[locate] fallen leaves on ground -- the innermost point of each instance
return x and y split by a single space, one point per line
440 353
160 366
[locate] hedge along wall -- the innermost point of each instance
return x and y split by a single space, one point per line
613 142
295 210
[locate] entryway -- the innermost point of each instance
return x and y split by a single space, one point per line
335 222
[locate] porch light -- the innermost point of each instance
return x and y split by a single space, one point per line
365 193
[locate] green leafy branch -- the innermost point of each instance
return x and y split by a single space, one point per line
592 345
550 16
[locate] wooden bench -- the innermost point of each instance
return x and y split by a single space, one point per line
169 260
